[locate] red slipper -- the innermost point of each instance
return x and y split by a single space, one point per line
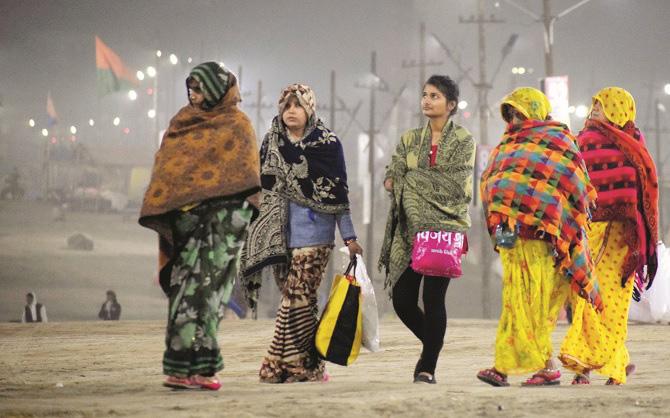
544 378
581 379
209 383
493 377
175 382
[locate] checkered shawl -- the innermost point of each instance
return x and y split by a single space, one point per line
536 177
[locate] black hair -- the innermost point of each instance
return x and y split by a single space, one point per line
447 87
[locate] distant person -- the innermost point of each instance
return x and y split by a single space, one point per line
13 189
623 235
430 181
33 311
202 195
537 198
111 309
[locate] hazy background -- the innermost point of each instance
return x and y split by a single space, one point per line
48 46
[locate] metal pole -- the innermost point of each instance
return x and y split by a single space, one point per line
422 66
659 160
156 140
484 138
259 106
371 165
332 100
548 22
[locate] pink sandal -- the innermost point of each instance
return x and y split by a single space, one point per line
209 383
493 377
581 379
545 377
176 382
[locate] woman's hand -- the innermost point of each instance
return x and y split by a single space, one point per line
354 248
388 184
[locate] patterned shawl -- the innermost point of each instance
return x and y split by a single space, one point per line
205 154
625 176
536 177
310 172
426 198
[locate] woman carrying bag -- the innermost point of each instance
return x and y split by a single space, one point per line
430 180
305 195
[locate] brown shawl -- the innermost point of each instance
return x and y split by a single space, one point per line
205 154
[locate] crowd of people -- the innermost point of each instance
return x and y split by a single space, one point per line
573 218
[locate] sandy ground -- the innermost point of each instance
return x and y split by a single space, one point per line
93 369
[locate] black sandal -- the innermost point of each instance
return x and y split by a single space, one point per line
423 378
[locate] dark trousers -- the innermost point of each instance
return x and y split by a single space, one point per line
429 325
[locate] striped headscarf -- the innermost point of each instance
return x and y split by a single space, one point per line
305 97
214 81
618 105
530 102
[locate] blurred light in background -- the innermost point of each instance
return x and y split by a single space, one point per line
140 75
45 132
462 104
173 59
151 113
31 123
151 71
581 111
159 53
116 121
132 95
91 122
73 129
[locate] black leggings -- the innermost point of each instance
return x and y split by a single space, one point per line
429 327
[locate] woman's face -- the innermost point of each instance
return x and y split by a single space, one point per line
434 103
597 112
195 94
294 116
513 116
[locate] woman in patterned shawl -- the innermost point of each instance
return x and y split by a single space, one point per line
623 235
202 195
537 196
430 180
305 195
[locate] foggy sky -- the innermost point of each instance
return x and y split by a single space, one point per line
48 46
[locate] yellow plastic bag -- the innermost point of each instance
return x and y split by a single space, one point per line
339 335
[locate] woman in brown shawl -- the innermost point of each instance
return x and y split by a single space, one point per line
201 198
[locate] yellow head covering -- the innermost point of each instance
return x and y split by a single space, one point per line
530 102
618 105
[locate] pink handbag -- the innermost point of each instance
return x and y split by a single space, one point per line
438 253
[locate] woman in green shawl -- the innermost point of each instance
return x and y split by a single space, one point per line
430 181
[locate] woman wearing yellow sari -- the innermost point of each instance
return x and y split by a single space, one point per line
622 237
536 195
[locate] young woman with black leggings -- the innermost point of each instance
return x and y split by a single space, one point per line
430 181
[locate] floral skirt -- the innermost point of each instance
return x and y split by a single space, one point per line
532 295
292 356
208 241
597 341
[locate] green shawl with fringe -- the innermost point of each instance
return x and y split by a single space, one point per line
426 198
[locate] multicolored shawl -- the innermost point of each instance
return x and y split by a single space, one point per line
625 176
426 198
536 177
205 154
310 172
